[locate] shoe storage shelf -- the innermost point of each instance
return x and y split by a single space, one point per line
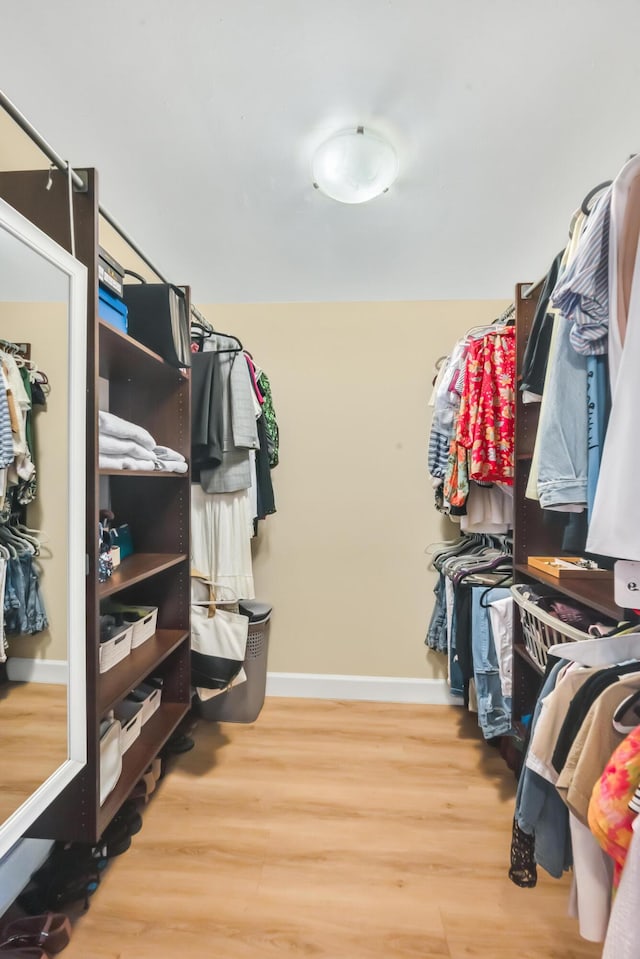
136 384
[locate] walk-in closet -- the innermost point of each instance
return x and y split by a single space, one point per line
319 531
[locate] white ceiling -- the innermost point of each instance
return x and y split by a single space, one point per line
202 115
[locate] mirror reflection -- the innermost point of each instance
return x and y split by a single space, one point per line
34 340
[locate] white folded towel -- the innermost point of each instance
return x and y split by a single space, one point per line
115 426
172 466
166 453
125 463
114 446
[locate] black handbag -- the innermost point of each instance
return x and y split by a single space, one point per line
158 318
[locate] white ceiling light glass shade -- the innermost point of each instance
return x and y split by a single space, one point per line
354 165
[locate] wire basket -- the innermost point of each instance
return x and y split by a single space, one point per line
542 630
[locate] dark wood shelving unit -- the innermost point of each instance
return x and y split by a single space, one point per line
145 390
136 568
152 738
117 682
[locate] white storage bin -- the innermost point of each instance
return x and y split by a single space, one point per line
143 628
112 651
151 702
110 756
130 716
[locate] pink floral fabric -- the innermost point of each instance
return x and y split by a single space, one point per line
487 409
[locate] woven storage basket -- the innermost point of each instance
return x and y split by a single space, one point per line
541 629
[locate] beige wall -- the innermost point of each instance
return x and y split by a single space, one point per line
44 326
343 559
17 151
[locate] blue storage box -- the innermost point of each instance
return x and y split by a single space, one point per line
112 309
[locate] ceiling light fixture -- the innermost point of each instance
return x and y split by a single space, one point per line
354 165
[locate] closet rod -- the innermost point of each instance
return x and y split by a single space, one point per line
534 286
54 157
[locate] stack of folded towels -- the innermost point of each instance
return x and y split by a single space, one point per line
125 446
170 460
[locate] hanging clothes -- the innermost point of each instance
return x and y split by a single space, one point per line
238 430
536 354
616 510
271 423
221 532
21 601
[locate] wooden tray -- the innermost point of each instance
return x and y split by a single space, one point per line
567 568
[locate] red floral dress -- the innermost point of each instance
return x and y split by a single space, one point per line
486 421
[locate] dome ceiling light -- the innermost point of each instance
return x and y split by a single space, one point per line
354 166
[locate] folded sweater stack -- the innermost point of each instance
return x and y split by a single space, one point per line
125 446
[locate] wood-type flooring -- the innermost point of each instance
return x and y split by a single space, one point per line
329 829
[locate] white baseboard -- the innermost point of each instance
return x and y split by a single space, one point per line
377 689
53 671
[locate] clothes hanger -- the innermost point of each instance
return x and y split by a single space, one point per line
28 536
12 539
586 206
631 703
13 552
443 545
9 347
507 317
494 564
608 651
208 332
501 582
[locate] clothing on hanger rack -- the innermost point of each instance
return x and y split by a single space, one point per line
21 604
235 444
566 802
206 332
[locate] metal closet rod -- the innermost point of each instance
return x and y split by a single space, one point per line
54 157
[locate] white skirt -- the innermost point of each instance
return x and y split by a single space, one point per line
221 532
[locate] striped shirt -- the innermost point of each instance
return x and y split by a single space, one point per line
582 293
7 453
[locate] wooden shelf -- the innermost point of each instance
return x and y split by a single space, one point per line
526 657
117 682
149 474
138 567
123 358
136 759
597 593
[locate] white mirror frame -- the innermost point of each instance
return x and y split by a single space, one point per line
26 232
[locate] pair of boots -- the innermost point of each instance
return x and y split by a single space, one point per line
72 872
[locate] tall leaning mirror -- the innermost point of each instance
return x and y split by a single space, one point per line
43 308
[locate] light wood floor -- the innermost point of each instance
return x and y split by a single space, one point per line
337 830
33 739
